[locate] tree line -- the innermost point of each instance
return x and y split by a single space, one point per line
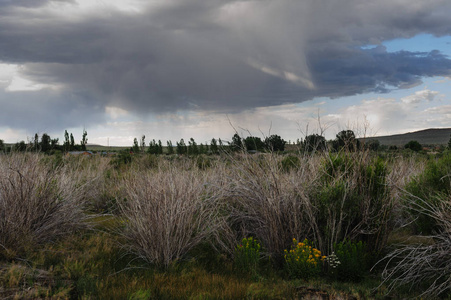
46 144
344 140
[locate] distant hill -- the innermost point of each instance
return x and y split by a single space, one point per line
433 136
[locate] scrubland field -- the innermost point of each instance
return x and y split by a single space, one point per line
346 225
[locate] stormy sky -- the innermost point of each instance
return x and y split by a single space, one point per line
174 69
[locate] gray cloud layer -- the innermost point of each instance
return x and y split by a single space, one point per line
214 55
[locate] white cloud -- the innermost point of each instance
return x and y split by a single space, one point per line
423 95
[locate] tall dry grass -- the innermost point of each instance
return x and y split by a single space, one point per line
327 198
268 203
424 266
41 202
170 210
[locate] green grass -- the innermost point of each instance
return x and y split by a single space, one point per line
93 265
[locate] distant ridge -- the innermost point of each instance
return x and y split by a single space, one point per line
432 136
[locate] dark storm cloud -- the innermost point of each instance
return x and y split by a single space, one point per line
45 111
28 3
220 55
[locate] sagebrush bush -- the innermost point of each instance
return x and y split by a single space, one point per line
267 203
327 198
40 202
169 211
424 267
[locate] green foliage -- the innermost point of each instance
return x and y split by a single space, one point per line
254 143
414 146
84 140
346 140
290 162
275 143
247 256
237 143
353 194
214 146
122 158
433 181
353 260
181 147
314 142
303 260
193 149
135 148
156 148
142 143
170 147
373 145
2 145
72 142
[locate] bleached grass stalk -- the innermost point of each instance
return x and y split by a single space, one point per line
39 203
169 211
267 203
427 266
276 206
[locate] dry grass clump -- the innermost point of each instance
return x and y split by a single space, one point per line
268 203
39 202
169 211
327 198
424 266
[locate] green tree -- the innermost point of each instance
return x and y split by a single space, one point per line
214 146
181 147
45 143
160 147
153 147
347 141
20 146
192 148
2 145
170 147
373 145
314 142
54 143
36 142
275 143
135 147
143 143
84 140
449 143
72 142
254 143
66 141
237 143
414 146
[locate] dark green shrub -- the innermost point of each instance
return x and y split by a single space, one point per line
414 146
352 198
290 162
247 256
122 158
435 180
353 260
203 162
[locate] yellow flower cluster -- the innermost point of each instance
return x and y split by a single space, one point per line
303 252
303 260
